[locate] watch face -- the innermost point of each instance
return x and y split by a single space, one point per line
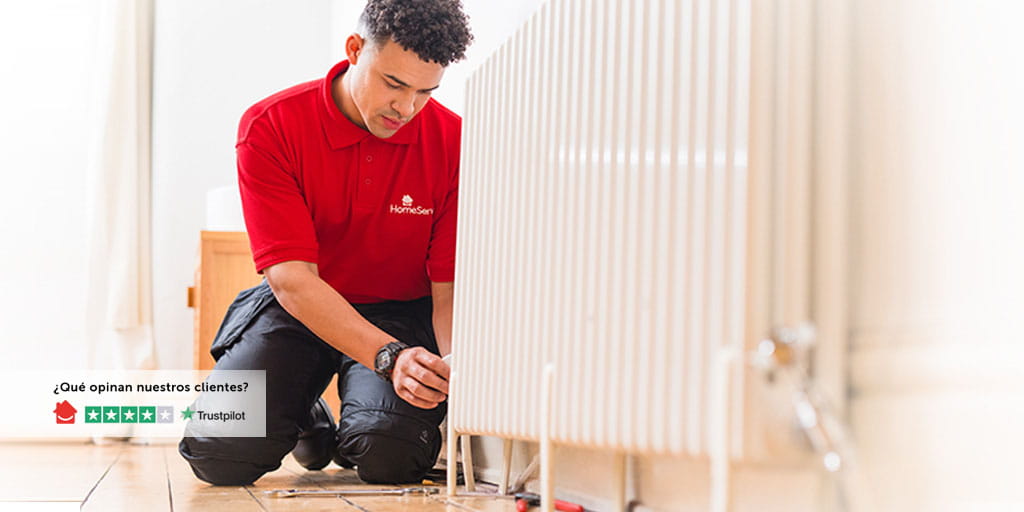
383 360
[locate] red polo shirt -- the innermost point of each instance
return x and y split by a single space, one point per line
376 215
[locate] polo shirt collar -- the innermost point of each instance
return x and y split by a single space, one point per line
341 132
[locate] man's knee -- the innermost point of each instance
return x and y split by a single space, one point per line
385 459
221 462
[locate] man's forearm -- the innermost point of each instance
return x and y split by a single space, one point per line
443 298
319 307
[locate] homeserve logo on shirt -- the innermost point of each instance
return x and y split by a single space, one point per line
408 208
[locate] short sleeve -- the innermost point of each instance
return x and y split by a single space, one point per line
441 253
279 223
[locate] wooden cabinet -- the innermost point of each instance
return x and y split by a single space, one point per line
223 269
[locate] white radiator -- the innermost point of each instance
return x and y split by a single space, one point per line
602 224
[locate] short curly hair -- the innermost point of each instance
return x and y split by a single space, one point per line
437 30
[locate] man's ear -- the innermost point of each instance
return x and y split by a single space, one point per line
354 47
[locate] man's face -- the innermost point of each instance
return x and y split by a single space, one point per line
389 85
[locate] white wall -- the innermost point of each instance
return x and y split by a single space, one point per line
938 303
212 60
46 51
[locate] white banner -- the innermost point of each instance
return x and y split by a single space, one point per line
141 403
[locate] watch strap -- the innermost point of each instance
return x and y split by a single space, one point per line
393 349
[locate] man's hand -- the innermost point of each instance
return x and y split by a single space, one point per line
420 378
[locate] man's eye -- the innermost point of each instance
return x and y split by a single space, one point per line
391 85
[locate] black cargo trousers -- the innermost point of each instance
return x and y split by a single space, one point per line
388 439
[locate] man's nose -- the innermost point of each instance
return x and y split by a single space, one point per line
404 106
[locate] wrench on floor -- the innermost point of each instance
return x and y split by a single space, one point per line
294 493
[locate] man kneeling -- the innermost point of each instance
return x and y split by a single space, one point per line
349 188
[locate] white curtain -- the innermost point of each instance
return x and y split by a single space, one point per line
120 319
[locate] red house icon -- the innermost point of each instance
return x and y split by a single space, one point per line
65 412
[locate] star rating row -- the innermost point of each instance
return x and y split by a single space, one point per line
129 414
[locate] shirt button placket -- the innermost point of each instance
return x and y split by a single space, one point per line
369 160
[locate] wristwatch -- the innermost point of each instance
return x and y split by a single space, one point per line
386 357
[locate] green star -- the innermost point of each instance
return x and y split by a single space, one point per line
187 413
111 414
147 414
93 414
129 414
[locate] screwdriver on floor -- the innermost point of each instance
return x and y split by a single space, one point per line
525 500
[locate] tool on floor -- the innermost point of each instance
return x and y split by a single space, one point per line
525 500
526 475
296 493
479 494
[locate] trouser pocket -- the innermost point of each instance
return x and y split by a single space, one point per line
240 314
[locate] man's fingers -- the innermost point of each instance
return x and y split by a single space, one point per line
423 392
419 395
415 402
435 372
433 363
420 378
430 379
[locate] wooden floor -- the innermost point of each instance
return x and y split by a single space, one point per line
155 478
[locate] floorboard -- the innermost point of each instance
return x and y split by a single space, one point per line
137 480
189 493
155 478
23 473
